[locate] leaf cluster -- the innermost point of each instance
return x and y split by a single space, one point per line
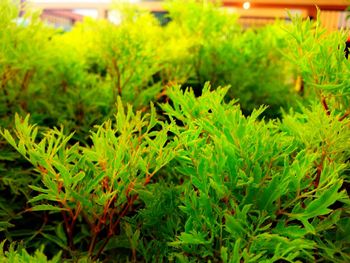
196 175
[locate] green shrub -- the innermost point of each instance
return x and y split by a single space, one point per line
250 190
22 54
98 184
17 254
206 176
260 191
319 58
129 53
223 53
44 76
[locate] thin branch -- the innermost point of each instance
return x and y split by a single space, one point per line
319 169
118 85
69 230
101 221
325 105
346 114
26 79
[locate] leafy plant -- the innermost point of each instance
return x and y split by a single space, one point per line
130 54
208 175
319 57
17 253
97 185
23 41
223 53
257 193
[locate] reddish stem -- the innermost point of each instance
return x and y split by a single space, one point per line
69 229
318 174
325 106
345 115
319 170
114 225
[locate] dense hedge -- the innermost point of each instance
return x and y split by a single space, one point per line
144 169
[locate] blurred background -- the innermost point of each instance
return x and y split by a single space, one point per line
64 13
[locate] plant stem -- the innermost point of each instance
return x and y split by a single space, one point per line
24 87
325 105
97 228
103 246
346 114
319 169
113 226
4 81
69 229
118 90
93 243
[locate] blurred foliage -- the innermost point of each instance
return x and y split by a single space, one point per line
223 53
319 59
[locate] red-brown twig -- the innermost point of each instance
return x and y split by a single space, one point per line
346 114
325 106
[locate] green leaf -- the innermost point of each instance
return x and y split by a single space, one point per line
292 231
224 254
46 197
64 173
319 206
6 134
234 226
194 238
236 257
39 189
60 233
55 240
78 178
47 208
